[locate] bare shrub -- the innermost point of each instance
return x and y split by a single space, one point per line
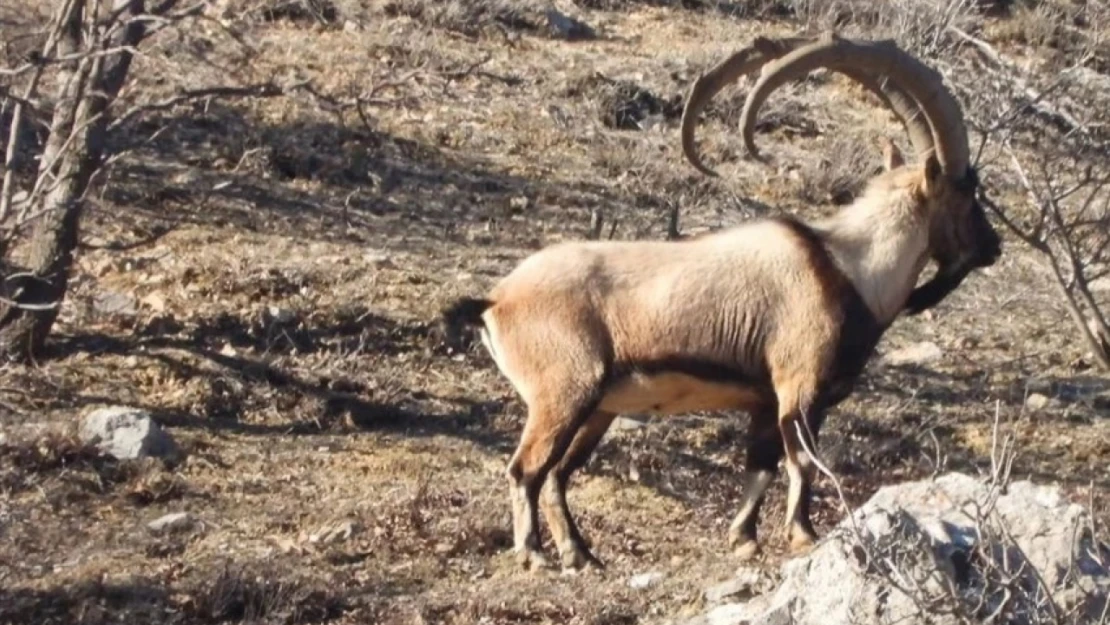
623 104
60 147
920 26
319 11
25 460
1036 24
239 594
58 462
1050 136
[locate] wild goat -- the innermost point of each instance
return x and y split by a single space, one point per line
776 317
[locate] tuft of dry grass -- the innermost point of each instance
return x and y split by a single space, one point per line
241 595
58 463
236 594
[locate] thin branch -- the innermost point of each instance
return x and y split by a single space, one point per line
33 307
258 90
42 61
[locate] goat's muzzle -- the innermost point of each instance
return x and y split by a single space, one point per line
987 243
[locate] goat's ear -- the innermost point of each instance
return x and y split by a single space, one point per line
931 175
892 156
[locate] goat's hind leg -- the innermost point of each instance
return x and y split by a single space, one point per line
550 428
574 552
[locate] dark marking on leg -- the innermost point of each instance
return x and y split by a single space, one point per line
760 467
546 438
573 549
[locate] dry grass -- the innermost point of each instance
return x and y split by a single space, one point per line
287 257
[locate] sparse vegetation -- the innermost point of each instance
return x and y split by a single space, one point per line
292 189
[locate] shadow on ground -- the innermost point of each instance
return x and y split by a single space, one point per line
234 595
240 380
332 181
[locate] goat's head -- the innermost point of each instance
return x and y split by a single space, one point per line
961 238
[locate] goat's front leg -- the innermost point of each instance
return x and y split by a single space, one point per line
764 451
800 468
573 549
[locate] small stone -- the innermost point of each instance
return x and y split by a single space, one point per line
1037 401
645 580
519 203
729 614
186 178
741 586
114 303
335 533
916 354
175 522
725 590
126 433
651 122
567 27
778 615
281 316
629 423
379 260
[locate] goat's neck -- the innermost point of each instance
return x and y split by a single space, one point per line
882 251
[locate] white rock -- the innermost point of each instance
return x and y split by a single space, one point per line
567 27
114 303
335 533
644 580
126 433
1037 401
281 315
175 522
628 423
379 260
929 529
742 585
916 354
729 614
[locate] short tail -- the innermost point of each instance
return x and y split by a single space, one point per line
464 312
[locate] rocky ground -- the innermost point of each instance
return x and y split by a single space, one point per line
262 275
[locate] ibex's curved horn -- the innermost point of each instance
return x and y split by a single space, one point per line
751 58
904 79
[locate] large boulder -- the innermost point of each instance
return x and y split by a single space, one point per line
942 551
127 433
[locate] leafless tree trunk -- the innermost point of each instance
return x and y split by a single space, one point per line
97 46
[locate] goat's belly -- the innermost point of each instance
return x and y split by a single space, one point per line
675 393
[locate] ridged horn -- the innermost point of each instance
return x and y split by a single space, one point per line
903 77
746 61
